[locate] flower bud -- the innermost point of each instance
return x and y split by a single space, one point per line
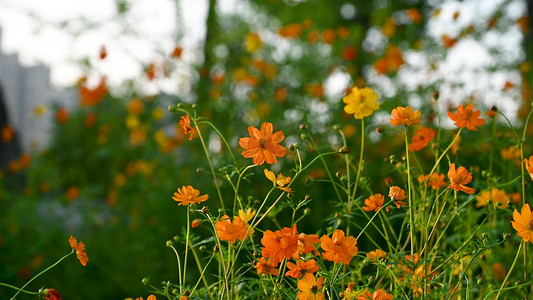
196 223
303 126
204 210
436 95
145 280
169 243
344 150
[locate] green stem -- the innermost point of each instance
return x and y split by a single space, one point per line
510 270
210 166
18 289
41 273
411 206
223 139
186 245
179 268
359 166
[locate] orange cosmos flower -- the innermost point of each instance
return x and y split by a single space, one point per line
491 113
404 116
301 268
529 166
62 115
72 193
280 244
421 139
374 202
263 145
188 195
7 134
397 194
135 106
90 120
280 182
196 223
231 232
338 248
376 254
436 181
381 294
497 196
176 53
306 243
266 267
458 179
80 250
310 288
185 123
91 97
51 294
290 31
523 223
467 117
414 15
349 53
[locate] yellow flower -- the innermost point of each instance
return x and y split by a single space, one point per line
253 42
361 102
246 215
280 181
497 196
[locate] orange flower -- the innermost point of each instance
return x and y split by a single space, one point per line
397 194
176 53
523 223
467 117
447 41
51 294
72 193
376 254
135 106
269 266
301 268
152 297
80 250
263 145
290 31
414 15
103 52
421 139
91 97
458 179
529 166
374 202
436 181
280 182
405 116
90 120
253 42
349 53
62 115
188 195
306 243
497 196
185 123
280 244
381 294
338 248
150 71
228 231
7 134
491 113
310 288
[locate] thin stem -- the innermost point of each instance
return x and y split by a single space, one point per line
18 289
210 166
411 206
186 245
42 272
179 268
223 139
202 272
359 166
510 270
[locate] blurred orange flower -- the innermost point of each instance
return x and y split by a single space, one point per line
497 196
231 232
458 179
189 195
436 181
62 115
91 97
150 71
290 31
176 52
447 41
376 254
135 106
374 202
523 223
349 53
80 250
414 15
421 139
329 36
90 120
280 244
467 117
263 145
267 267
185 123
7 134
310 288
529 166
301 268
397 194
72 193
404 116
280 95
338 248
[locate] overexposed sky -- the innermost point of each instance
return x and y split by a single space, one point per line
30 29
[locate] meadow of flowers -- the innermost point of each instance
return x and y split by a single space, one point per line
266 187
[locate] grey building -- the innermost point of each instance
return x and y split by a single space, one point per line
25 88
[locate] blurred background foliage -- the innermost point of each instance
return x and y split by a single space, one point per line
115 160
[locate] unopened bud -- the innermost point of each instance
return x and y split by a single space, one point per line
145 280
436 95
336 127
307 197
204 210
169 243
344 150
303 126
379 129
